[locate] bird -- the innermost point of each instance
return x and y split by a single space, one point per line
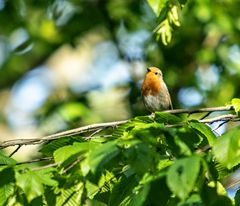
154 91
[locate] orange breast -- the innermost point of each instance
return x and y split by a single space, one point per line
151 85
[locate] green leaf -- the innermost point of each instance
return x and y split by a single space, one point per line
120 191
47 177
164 30
64 153
157 5
237 198
188 135
70 196
137 197
173 15
50 147
180 143
204 130
31 184
50 196
182 175
144 119
140 157
95 203
7 181
227 148
193 200
212 195
100 156
236 104
159 193
164 117
5 160
145 131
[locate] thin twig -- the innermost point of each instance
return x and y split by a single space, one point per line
201 110
221 124
73 164
35 160
206 115
226 117
18 147
44 167
96 132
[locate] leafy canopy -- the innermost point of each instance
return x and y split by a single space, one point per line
161 160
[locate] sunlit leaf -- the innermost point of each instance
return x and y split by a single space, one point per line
5 160
143 130
204 130
146 119
236 104
164 117
137 197
164 30
219 187
103 154
70 196
31 184
50 147
182 175
63 153
47 177
227 148
157 5
7 181
173 15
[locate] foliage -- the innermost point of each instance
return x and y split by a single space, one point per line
168 13
162 160
159 160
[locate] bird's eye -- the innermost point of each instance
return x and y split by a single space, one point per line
156 73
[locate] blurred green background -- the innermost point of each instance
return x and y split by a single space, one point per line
68 63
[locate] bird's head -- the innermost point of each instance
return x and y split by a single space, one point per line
154 73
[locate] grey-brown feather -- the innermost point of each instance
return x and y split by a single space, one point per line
159 102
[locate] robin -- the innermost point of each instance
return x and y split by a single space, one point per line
155 92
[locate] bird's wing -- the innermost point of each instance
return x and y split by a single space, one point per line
170 102
168 96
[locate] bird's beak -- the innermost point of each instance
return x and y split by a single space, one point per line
148 69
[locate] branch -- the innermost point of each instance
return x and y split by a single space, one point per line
79 159
98 127
201 110
32 161
35 160
67 133
226 117
44 167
